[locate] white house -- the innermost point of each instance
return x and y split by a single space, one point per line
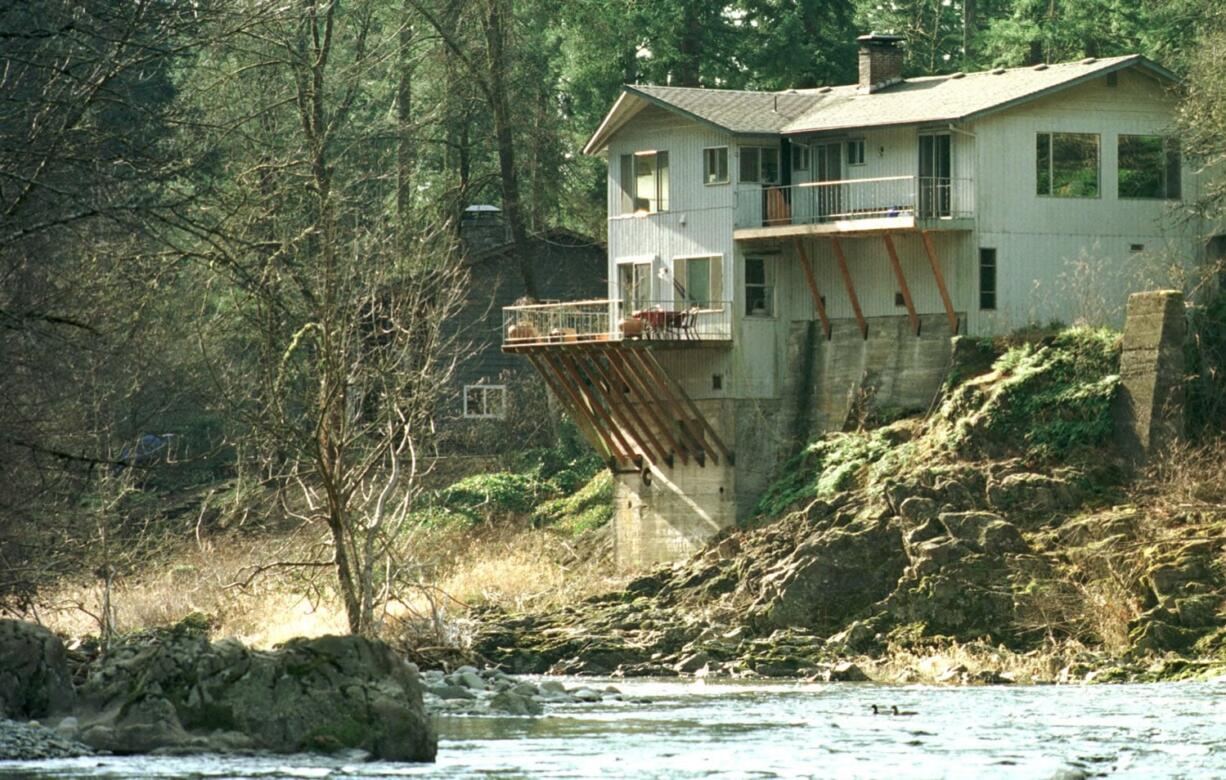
768 251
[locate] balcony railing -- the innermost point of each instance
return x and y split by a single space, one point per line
580 322
851 200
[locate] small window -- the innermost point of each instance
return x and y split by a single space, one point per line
1113 79
717 381
1067 165
987 279
759 165
1136 247
485 402
715 165
644 182
855 152
800 157
759 287
899 300
1149 167
699 281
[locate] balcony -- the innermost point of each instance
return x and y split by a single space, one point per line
855 207
595 322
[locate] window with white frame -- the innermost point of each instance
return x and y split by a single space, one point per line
715 165
635 280
485 402
760 164
644 182
855 152
1067 165
800 157
759 287
1149 167
701 280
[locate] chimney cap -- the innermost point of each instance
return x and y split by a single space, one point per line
880 39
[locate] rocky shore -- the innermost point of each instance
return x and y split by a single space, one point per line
1001 538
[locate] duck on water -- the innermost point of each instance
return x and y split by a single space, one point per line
892 711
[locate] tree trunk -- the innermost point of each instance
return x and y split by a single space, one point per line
406 152
495 40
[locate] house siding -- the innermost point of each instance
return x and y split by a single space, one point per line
1065 259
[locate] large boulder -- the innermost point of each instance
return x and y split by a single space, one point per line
34 677
178 691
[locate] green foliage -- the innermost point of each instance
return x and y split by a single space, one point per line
1206 367
553 485
1047 399
587 509
833 463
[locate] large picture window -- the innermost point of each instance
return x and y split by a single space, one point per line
760 164
702 280
644 182
1068 165
759 287
1149 167
715 165
487 402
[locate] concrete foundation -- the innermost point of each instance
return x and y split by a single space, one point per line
1149 406
669 513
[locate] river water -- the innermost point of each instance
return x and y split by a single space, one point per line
691 729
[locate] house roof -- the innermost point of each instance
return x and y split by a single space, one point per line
913 101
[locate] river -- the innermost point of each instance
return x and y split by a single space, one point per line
690 729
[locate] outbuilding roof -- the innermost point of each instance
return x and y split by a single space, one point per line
923 100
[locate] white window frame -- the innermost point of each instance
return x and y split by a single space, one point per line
482 414
1170 146
650 262
859 144
757 150
715 280
800 157
769 283
706 173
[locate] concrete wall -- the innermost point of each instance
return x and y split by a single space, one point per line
1149 406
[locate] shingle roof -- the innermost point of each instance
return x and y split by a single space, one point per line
914 101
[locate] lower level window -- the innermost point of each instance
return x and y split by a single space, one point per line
987 279
487 402
759 287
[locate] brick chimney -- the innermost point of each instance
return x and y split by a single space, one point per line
880 61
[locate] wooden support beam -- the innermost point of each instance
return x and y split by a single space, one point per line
902 283
611 386
582 415
851 288
662 376
579 395
626 376
934 261
812 282
664 397
603 404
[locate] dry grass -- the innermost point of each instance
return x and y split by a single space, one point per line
453 569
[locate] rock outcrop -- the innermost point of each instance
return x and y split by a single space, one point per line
34 678
175 691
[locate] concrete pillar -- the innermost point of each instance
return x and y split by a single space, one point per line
1149 405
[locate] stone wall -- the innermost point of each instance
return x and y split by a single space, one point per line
1149 406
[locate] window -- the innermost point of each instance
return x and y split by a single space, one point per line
701 280
1149 167
487 402
1067 165
644 182
987 279
800 157
759 287
760 165
855 152
715 165
635 279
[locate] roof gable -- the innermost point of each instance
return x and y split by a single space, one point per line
923 100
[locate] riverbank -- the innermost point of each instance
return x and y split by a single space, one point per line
1002 538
